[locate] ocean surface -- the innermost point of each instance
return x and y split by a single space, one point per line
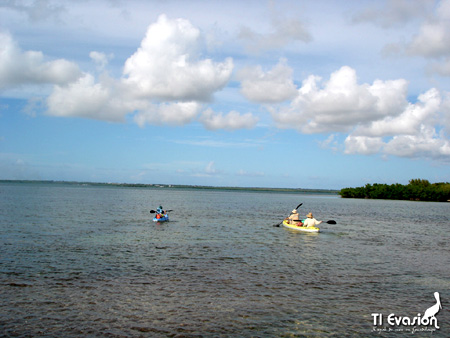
88 261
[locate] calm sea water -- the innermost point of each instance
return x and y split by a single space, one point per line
83 261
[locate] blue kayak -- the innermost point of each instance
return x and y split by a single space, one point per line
165 218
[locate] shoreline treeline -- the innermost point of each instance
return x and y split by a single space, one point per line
416 190
175 186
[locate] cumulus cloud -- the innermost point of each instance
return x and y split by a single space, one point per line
167 64
426 143
276 85
341 103
231 121
363 145
433 39
413 133
409 121
89 99
21 68
164 82
174 113
377 117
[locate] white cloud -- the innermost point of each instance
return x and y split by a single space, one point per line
108 100
167 64
19 68
285 30
276 85
163 81
378 118
363 145
410 134
231 121
433 39
409 121
426 143
88 99
331 142
341 104
175 113
100 59
394 12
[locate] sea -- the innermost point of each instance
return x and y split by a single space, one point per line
88 261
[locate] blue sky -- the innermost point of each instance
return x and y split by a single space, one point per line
301 94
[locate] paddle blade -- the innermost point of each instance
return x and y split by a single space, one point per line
331 222
152 211
298 206
278 224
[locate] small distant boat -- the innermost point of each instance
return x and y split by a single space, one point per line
299 228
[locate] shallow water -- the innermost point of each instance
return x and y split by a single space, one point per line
88 261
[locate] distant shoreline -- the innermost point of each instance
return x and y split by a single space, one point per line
178 186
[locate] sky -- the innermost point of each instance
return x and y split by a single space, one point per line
297 94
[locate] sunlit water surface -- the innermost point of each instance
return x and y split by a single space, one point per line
83 261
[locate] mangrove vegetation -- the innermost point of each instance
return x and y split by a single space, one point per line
416 190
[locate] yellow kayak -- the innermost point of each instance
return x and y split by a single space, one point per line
299 228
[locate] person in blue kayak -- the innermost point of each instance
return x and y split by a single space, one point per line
160 212
310 221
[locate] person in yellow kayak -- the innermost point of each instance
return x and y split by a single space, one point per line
310 221
293 218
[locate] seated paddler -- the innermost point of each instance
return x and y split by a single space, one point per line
293 218
160 212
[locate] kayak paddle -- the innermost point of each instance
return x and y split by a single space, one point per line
154 211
